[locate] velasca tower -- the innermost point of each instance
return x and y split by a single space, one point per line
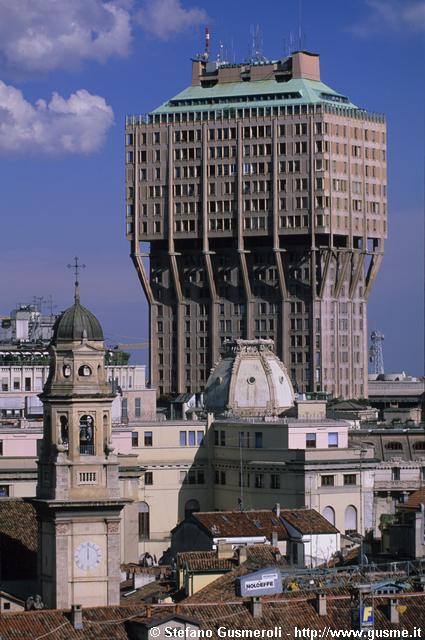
256 209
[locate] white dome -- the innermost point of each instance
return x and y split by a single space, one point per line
249 380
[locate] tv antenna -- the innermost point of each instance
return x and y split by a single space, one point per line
50 304
376 352
257 44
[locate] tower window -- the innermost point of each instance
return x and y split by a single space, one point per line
87 435
84 371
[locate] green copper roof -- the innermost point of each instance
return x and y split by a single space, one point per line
76 323
252 94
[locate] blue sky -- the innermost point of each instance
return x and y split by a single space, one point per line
71 70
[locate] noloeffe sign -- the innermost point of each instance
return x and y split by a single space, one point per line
265 582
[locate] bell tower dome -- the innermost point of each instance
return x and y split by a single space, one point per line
78 493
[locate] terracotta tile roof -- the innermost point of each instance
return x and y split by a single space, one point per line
232 524
18 539
307 521
153 591
416 499
206 561
289 610
160 570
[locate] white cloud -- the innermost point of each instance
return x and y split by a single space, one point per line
62 126
393 15
165 18
42 35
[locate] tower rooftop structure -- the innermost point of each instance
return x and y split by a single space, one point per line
294 80
76 323
249 381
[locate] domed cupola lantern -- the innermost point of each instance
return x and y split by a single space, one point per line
249 381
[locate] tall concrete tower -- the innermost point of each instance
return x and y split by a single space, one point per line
256 209
78 495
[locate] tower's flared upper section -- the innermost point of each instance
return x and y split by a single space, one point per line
77 323
249 381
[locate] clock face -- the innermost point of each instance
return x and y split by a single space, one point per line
87 556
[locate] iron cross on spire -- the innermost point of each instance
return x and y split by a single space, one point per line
76 265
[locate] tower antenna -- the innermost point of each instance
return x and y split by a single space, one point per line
76 265
257 44
300 14
207 43
376 352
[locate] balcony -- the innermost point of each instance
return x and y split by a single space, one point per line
87 449
396 485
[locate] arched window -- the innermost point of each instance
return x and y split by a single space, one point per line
394 445
87 435
329 514
64 429
191 506
350 519
66 371
84 371
419 446
144 525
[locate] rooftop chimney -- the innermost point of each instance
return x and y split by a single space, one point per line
224 551
242 555
393 615
321 603
256 607
77 616
277 509
274 539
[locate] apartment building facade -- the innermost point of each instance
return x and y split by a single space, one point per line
256 208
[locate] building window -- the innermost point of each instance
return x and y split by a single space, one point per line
144 526
222 438
394 446
333 439
222 477
124 408
310 440
329 514
148 477
1 447
258 440
148 438
200 438
350 519
350 478
137 407
328 481
192 441
4 491
419 446
275 481
27 384
395 474
183 439
259 481
134 439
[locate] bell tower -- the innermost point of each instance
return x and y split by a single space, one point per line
78 495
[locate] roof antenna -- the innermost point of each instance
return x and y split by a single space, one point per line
257 44
76 265
207 43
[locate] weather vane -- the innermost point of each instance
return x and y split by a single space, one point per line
76 265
